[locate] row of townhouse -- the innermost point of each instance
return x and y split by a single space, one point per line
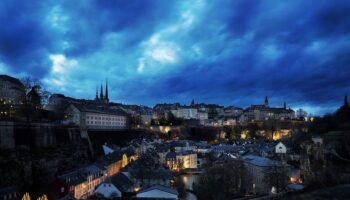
82 182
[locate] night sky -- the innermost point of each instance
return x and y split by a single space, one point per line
228 52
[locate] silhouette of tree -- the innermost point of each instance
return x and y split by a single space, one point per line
222 182
30 83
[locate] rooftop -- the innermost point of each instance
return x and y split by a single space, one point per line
10 79
101 110
161 188
121 181
261 161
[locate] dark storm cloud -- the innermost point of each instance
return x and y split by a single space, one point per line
23 38
228 52
90 21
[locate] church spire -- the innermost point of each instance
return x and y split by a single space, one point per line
266 102
96 93
106 95
101 92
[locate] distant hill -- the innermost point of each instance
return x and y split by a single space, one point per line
338 121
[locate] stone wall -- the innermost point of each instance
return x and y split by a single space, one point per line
6 135
37 134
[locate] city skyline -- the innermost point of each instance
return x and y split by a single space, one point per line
225 52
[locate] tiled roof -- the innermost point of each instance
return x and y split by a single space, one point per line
121 181
261 161
101 110
79 176
91 169
72 178
161 188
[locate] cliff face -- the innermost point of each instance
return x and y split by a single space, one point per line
33 170
7 135
14 134
324 159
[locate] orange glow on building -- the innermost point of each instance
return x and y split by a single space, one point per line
293 179
278 135
136 189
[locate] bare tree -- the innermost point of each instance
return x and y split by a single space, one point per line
30 83
225 181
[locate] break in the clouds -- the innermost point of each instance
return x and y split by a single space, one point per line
227 52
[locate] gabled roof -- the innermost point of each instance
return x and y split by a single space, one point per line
261 161
100 110
121 181
72 178
161 188
91 169
106 149
78 176
118 155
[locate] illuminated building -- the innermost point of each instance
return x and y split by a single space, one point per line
114 186
202 115
94 117
185 112
118 160
181 160
284 133
81 183
184 145
11 90
281 148
229 122
258 167
265 112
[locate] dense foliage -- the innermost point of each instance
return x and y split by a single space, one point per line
222 182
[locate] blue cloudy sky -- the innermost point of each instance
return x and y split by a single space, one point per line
231 52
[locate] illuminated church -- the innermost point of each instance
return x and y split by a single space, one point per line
102 98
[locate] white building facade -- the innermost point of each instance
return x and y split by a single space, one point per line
185 113
96 118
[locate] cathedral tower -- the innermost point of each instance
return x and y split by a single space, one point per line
101 93
106 94
266 102
96 98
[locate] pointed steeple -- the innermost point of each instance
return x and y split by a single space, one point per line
101 92
96 93
106 94
192 102
266 101
285 105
